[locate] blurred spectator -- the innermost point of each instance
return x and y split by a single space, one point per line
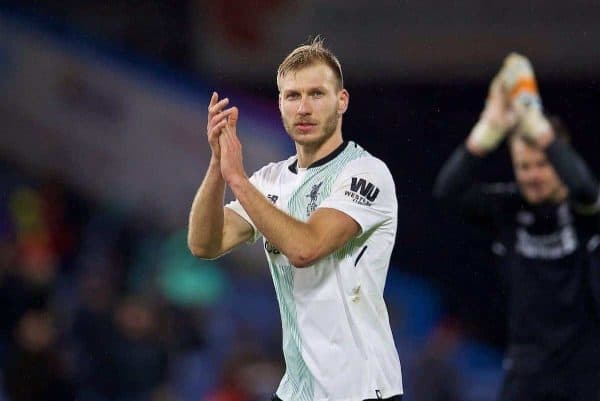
17 294
23 286
436 379
130 362
35 370
137 360
38 242
92 327
248 375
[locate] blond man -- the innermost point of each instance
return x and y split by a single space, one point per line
327 216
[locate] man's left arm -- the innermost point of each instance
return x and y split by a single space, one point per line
583 187
303 243
575 173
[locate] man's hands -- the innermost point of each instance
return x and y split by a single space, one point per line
520 83
221 130
519 80
496 119
217 119
513 102
232 166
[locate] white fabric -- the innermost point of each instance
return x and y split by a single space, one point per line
337 340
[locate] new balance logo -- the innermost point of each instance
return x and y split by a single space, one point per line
270 248
364 188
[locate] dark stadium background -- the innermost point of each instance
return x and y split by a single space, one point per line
99 299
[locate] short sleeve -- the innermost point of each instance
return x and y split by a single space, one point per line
237 208
365 191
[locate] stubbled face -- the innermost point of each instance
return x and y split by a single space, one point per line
310 104
535 176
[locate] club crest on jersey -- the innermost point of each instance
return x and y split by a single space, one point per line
313 195
362 191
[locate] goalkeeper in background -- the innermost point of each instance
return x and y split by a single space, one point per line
546 228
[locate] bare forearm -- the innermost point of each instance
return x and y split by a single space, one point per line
292 237
205 231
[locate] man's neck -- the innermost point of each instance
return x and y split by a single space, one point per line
308 154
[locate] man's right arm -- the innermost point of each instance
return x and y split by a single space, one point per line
213 229
455 184
457 174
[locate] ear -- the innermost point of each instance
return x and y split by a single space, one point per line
343 100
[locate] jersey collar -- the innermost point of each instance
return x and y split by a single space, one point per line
294 166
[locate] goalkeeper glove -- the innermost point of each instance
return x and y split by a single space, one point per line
495 120
519 80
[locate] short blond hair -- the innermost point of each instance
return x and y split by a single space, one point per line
310 54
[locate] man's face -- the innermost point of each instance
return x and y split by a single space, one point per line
311 106
535 176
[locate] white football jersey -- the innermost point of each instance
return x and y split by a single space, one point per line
337 341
